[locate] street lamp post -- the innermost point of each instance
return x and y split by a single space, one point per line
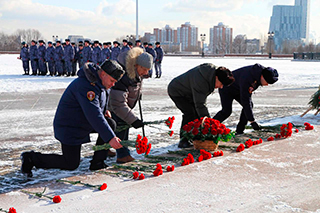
203 38
270 39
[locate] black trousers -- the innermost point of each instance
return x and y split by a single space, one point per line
226 98
70 158
187 107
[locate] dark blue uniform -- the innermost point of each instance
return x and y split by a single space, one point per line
74 61
87 54
124 49
34 59
152 52
42 60
58 57
68 57
115 51
96 55
50 59
247 80
105 54
24 56
79 58
159 58
79 113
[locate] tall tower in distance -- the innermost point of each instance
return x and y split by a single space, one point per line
290 23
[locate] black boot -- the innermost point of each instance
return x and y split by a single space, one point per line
96 165
27 164
184 143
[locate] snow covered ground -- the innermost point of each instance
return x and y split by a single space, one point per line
28 104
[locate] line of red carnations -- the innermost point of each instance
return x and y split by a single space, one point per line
169 121
308 126
188 160
240 148
218 153
170 168
270 138
142 145
136 175
205 155
158 171
11 210
286 130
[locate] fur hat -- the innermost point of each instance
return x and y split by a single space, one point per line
113 68
270 75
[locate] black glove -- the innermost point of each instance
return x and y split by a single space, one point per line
255 126
137 124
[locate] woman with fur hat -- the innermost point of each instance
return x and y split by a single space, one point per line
127 92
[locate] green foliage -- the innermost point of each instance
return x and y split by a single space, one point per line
315 100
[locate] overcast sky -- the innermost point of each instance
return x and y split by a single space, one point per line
106 20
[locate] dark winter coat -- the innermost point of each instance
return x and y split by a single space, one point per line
81 109
87 54
24 54
50 54
152 52
59 53
127 91
105 54
125 48
115 51
195 85
247 79
41 52
96 55
33 52
68 53
159 52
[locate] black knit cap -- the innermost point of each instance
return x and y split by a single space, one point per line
225 76
113 68
270 75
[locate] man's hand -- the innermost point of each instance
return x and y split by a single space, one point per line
137 124
115 143
107 114
255 126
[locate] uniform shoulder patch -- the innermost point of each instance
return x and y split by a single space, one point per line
91 95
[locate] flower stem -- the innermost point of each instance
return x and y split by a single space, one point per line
78 182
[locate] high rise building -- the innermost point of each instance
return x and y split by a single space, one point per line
220 39
290 23
187 35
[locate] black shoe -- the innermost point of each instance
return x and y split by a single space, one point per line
239 133
27 164
183 143
97 165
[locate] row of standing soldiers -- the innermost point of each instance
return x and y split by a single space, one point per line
63 59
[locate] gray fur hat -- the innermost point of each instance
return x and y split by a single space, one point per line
145 60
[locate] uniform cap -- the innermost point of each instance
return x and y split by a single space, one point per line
157 42
145 43
49 42
58 42
113 68
124 40
145 60
138 41
41 41
96 42
86 41
80 42
80 45
67 39
130 43
23 43
270 75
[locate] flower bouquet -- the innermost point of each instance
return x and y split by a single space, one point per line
206 133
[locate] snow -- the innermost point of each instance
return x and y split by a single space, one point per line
262 179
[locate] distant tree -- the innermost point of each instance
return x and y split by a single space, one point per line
28 35
239 44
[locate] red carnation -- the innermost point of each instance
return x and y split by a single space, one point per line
56 199
240 148
168 169
170 133
141 177
221 153
148 149
135 175
172 168
215 154
297 130
270 138
195 131
12 210
190 158
200 158
103 186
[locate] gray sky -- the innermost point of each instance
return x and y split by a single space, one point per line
107 20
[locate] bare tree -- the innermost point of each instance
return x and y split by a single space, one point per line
28 35
239 44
